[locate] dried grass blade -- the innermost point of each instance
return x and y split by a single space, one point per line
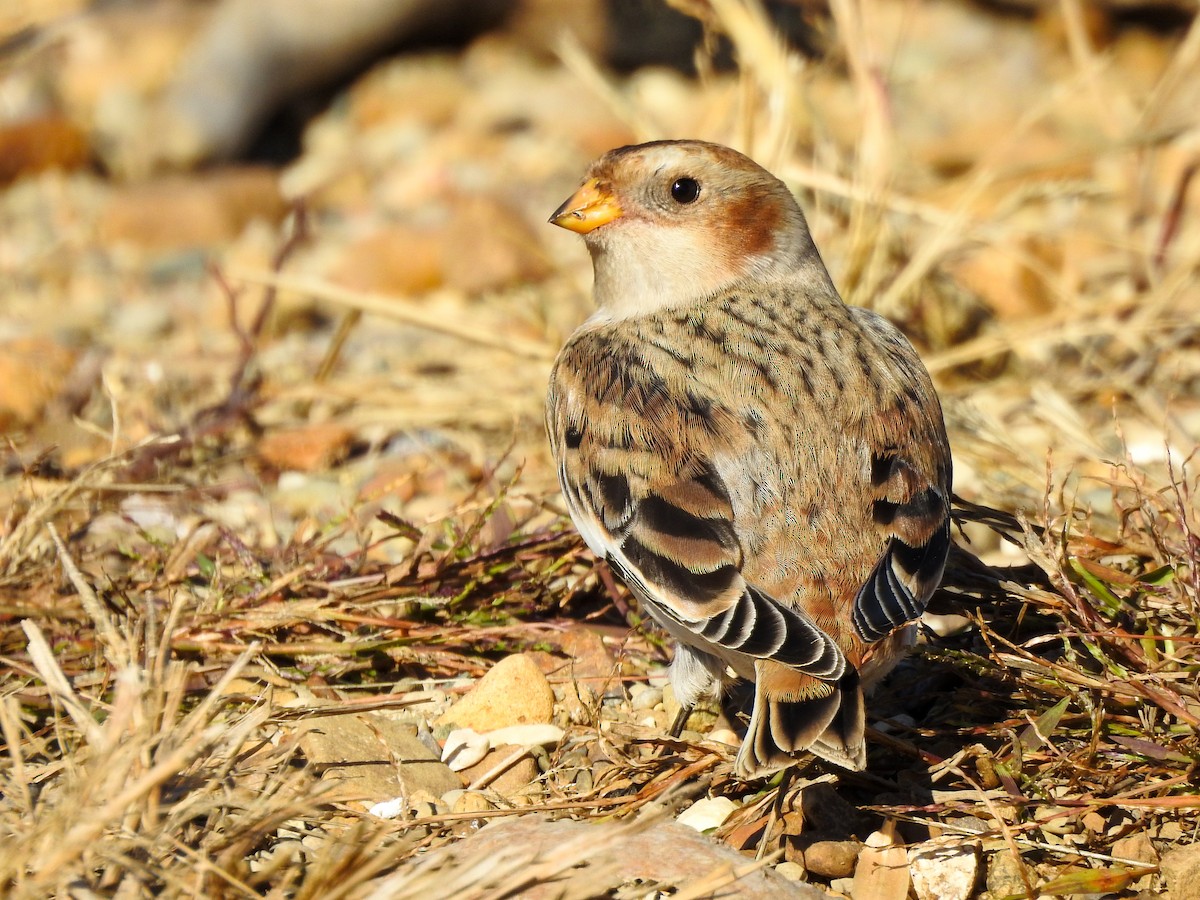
47 666
116 648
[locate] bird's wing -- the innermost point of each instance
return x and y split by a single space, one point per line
910 472
639 454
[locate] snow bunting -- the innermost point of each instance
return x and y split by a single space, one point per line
764 466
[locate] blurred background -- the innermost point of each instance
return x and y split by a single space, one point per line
278 302
200 198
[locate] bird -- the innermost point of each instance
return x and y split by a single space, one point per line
765 467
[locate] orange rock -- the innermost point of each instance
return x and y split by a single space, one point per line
51 142
489 245
400 259
590 661
309 448
831 859
32 373
512 692
583 659
176 212
513 780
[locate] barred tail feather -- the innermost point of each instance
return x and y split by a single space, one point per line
827 719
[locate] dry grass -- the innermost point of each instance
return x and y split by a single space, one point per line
152 684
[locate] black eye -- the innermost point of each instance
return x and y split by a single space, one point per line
685 190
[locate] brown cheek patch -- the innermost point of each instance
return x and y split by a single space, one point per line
751 223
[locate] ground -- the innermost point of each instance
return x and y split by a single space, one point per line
274 465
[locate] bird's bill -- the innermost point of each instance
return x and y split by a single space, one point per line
587 209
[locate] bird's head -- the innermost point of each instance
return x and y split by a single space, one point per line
672 222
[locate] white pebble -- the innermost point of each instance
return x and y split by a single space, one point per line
707 814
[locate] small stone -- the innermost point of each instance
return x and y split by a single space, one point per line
513 692
792 871
842 886
968 824
1136 848
707 814
648 698
946 625
280 855
1170 831
423 805
388 809
659 678
1181 870
302 495
578 702
176 212
724 736
399 260
1057 820
471 801
504 249
377 755
592 664
1004 875
313 842
945 869
584 782
832 859
308 448
512 781
704 714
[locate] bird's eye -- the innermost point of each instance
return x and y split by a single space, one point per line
685 190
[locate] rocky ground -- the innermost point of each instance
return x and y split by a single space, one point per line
288 603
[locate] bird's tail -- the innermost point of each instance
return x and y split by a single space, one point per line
794 712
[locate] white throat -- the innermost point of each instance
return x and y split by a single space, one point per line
639 273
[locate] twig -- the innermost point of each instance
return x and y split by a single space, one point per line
1174 215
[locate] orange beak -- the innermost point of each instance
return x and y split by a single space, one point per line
587 209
